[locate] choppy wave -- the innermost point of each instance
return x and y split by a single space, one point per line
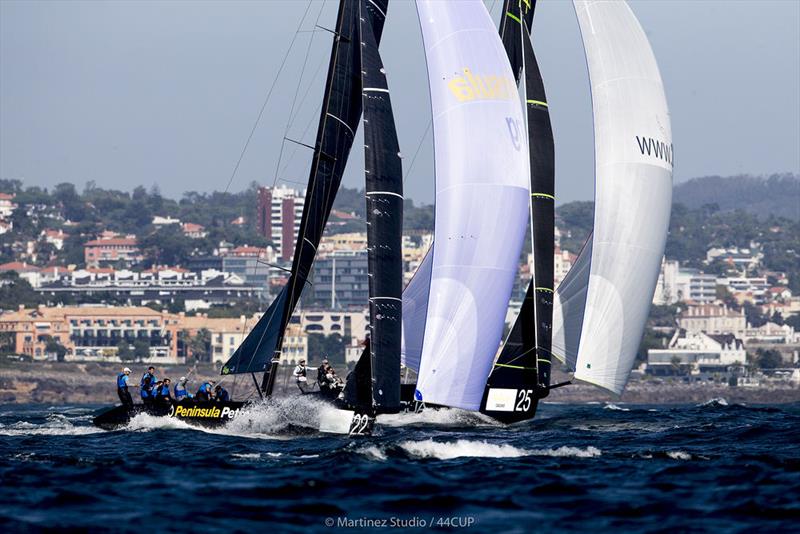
444 450
716 401
54 425
614 407
440 417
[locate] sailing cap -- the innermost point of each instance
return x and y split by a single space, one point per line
183 379
126 370
325 360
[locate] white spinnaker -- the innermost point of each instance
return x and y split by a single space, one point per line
633 191
482 193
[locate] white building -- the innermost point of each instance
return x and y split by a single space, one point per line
280 210
351 325
7 205
693 284
713 319
698 352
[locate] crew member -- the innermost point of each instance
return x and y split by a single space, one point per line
221 394
300 376
147 384
322 377
122 388
162 392
180 390
205 393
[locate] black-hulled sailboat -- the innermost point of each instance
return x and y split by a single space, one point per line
521 374
355 83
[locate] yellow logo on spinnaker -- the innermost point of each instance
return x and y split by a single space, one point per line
473 86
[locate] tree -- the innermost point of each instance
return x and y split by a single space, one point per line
16 291
52 346
141 350
124 352
769 359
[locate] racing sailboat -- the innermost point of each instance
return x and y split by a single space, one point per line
601 307
356 82
481 169
521 374
260 351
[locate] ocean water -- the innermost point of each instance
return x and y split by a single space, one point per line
714 467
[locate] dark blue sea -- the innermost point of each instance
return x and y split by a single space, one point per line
714 467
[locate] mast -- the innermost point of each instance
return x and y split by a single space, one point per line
521 374
339 117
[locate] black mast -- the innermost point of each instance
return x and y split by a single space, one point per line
341 112
524 362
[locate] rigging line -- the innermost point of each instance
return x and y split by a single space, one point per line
266 100
314 117
416 152
289 120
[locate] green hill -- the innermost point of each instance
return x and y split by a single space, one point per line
777 195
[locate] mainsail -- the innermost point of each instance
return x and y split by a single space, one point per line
481 199
522 369
339 117
633 192
384 197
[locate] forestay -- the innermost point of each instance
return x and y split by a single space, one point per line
633 167
481 199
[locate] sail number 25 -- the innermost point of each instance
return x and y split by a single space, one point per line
524 400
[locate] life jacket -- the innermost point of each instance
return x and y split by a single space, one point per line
163 392
122 380
146 388
205 388
299 371
223 395
180 392
151 383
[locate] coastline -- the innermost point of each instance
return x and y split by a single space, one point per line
93 383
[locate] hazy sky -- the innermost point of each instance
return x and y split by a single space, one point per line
130 93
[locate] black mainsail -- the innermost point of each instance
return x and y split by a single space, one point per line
384 197
523 365
339 117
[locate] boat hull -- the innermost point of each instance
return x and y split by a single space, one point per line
206 413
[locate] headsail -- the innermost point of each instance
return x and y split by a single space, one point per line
633 167
339 118
481 199
523 367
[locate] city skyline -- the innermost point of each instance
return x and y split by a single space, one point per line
166 93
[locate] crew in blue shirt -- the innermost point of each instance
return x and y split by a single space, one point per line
147 385
221 394
205 393
180 390
122 388
162 393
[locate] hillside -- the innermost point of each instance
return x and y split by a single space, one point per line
778 194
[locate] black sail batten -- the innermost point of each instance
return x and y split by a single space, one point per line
522 370
384 206
339 117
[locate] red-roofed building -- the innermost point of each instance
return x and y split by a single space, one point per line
110 250
55 237
194 231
